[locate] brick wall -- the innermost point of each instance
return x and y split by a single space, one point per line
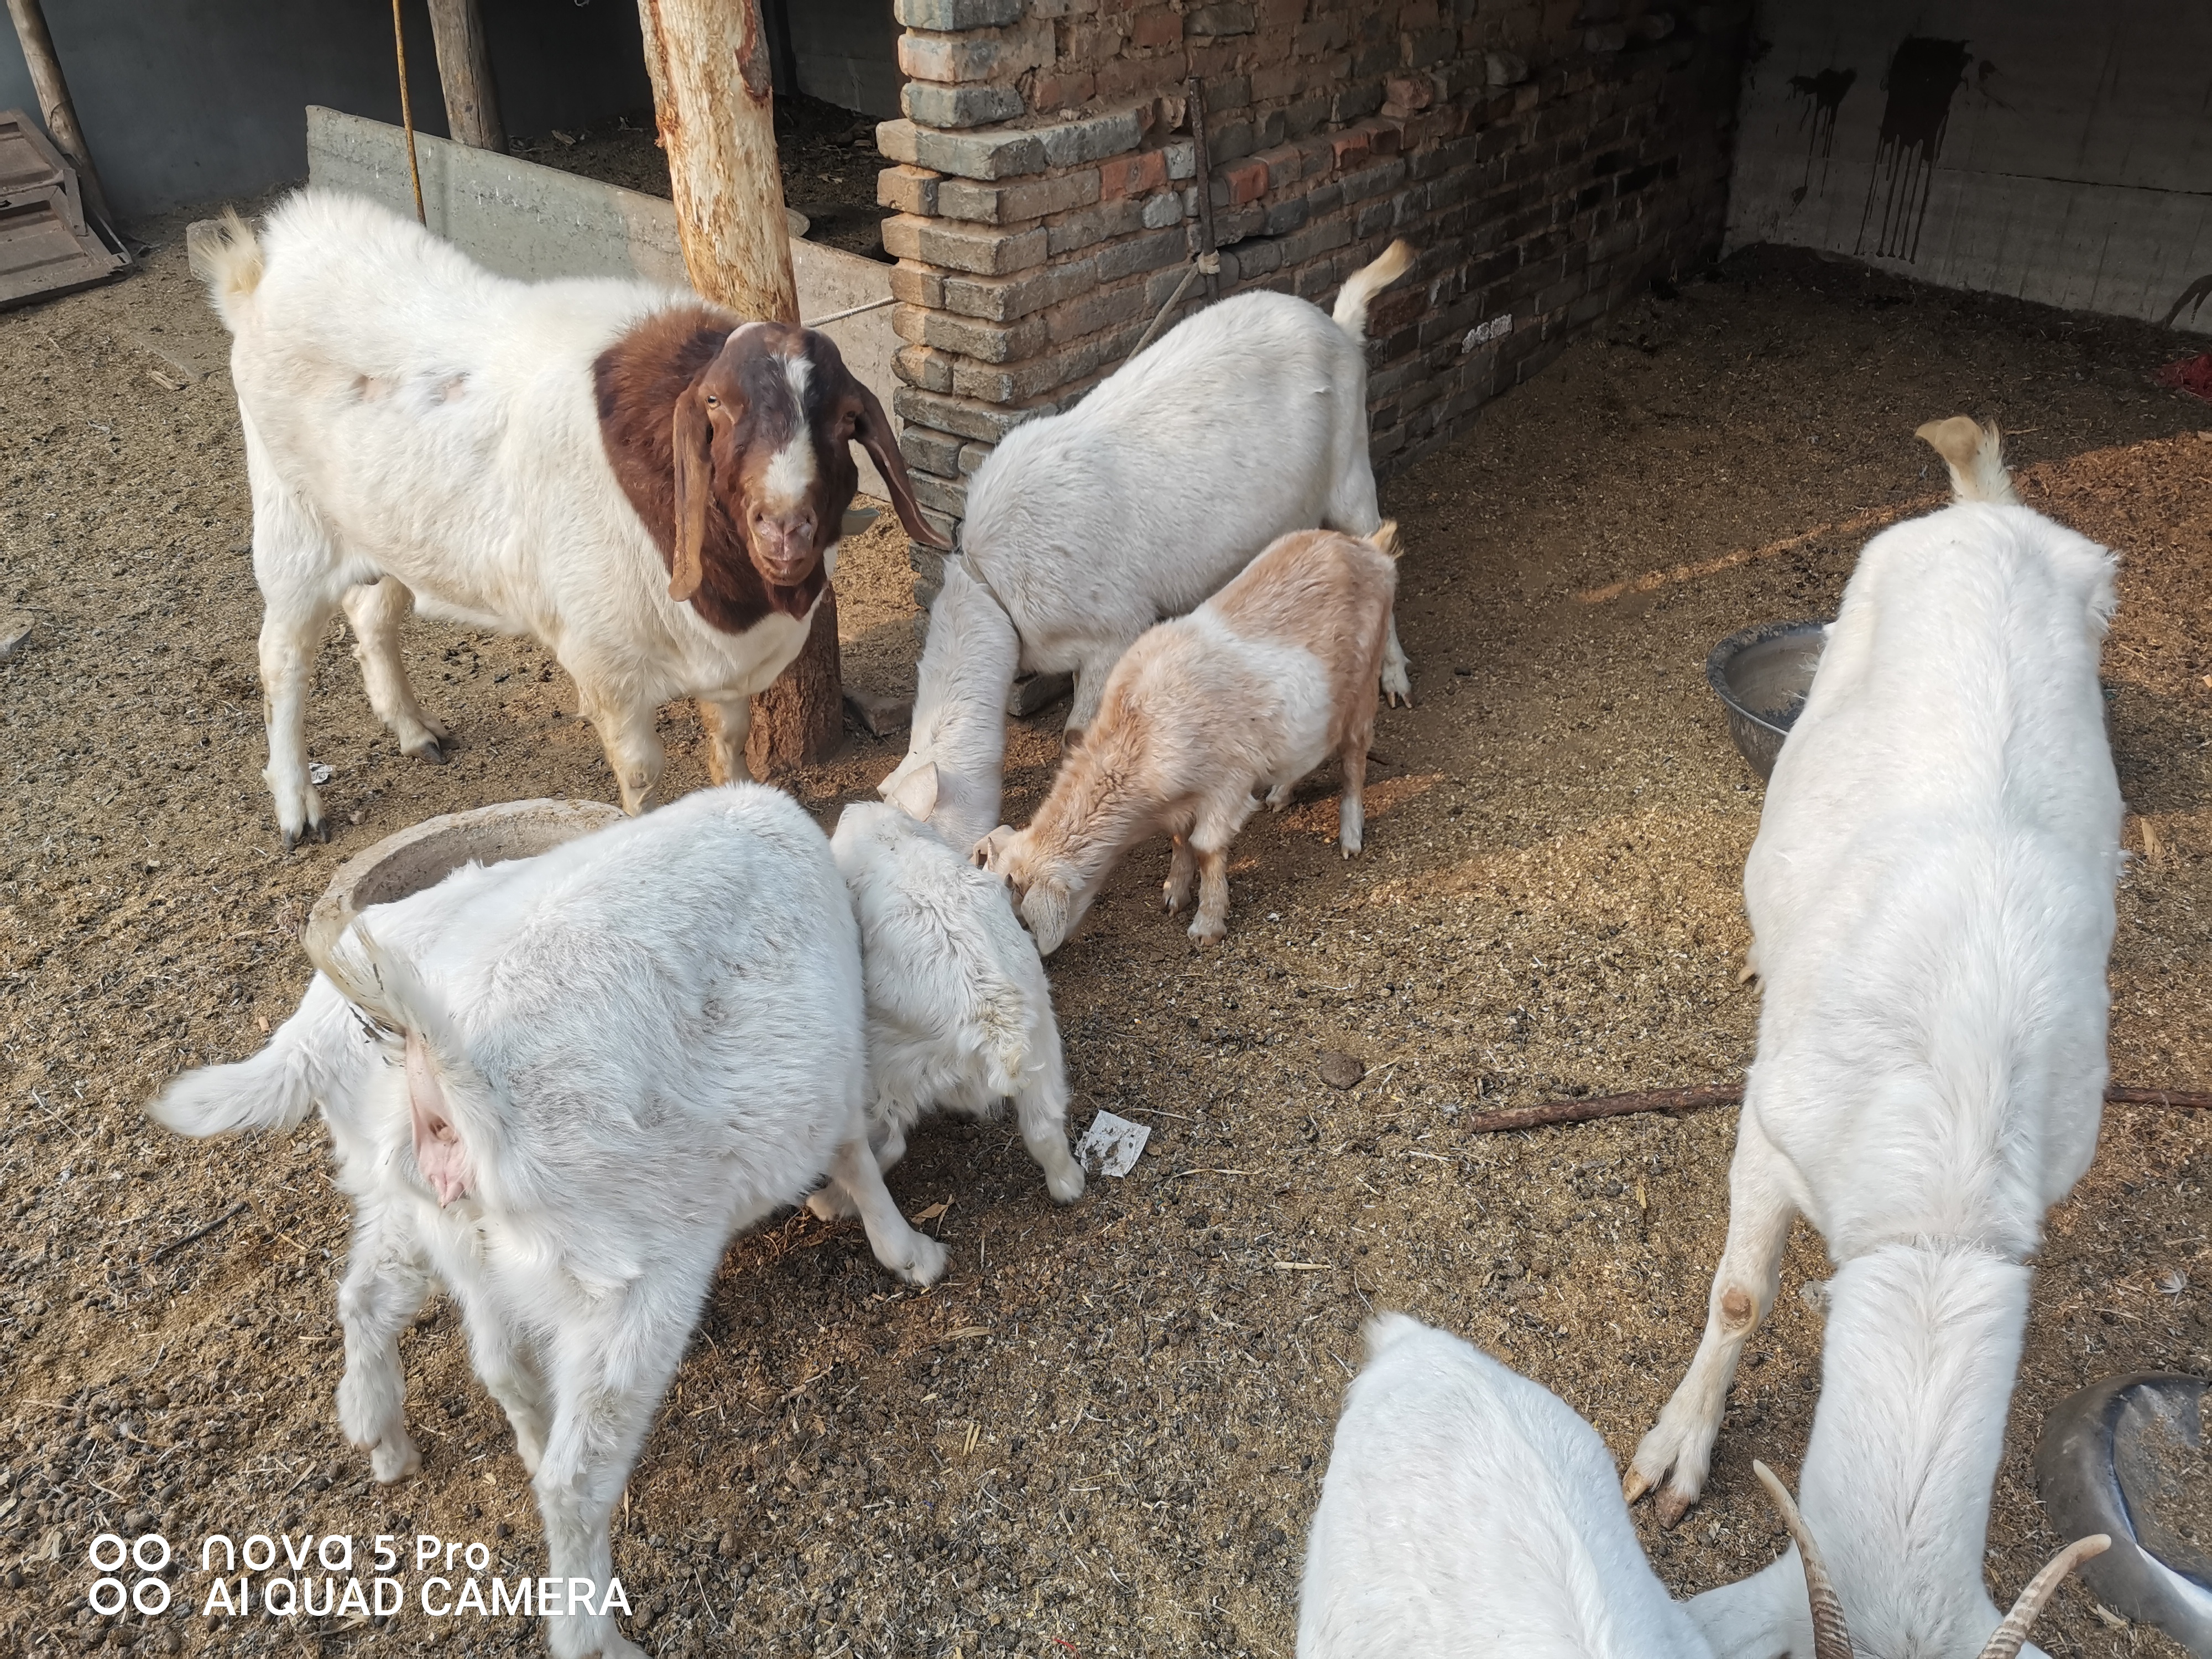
1548 157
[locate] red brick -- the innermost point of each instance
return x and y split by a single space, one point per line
1351 146
1132 175
1059 92
1246 182
1410 91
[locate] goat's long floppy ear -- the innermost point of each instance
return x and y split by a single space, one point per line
1831 1638
915 795
874 433
694 473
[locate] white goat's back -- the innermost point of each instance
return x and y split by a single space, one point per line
1932 888
1469 1510
1161 450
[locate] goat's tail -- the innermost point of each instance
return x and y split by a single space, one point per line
1351 313
383 985
1975 454
1384 539
272 1090
225 254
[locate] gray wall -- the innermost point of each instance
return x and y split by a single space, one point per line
199 100
845 52
2055 150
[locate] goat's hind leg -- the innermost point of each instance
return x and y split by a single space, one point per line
509 1371
1679 1448
915 1257
1041 1109
385 1283
374 611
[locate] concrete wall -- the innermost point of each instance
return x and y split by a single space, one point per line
843 51
198 100
2051 149
1547 157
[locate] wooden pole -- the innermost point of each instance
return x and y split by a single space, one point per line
714 101
465 72
54 102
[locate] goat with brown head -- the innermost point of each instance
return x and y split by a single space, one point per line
733 442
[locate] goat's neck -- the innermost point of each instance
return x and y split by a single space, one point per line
1921 1348
1102 802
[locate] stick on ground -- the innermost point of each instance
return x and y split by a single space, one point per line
1731 1094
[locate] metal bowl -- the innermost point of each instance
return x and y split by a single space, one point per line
1761 676
426 854
2115 1458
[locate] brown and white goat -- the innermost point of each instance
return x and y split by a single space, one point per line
1252 691
649 487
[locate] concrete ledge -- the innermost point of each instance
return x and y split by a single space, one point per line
535 223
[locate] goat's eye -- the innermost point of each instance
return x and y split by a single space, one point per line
713 402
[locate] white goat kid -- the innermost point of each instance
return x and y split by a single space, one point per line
959 1013
1931 897
1241 424
1469 1510
596 1066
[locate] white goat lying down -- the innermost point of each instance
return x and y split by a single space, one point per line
1469 1511
1252 691
1243 424
650 487
587 1072
1931 897
959 1013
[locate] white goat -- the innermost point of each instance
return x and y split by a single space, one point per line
1931 896
959 736
594 1067
651 488
1469 1510
1252 691
1241 424
959 1014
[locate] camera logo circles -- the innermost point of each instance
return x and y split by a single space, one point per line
149 1553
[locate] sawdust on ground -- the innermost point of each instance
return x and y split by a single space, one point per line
1103 1432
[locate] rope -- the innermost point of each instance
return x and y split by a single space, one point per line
407 114
1201 265
851 311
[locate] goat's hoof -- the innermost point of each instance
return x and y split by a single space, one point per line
392 1461
1203 933
1672 1505
1066 1186
426 748
927 1264
315 829
1633 1485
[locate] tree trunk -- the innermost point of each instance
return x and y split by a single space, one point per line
465 72
715 106
54 104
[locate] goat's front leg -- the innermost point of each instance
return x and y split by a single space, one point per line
375 610
915 1257
385 1283
633 747
291 632
1041 1108
728 721
1679 1448
1092 674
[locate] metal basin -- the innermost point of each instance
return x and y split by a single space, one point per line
426 854
2125 1457
1761 676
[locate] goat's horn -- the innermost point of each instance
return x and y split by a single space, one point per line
2012 1635
1831 1637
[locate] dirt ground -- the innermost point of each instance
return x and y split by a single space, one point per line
1104 1433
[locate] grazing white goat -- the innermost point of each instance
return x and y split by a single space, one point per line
959 737
651 488
560 1085
1252 691
1469 1510
1931 897
1241 424
959 1014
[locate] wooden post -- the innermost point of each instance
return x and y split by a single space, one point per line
54 104
714 102
465 72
